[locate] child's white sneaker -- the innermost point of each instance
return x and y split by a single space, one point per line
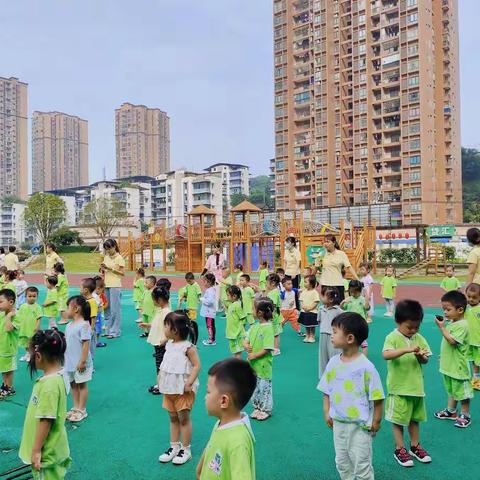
276 352
183 456
170 454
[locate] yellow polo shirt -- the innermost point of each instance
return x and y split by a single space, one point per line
332 268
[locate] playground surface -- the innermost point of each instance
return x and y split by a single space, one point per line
127 428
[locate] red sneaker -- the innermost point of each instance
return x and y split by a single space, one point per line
420 454
403 457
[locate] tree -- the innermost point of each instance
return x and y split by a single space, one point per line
44 213
237 198
471 185
64 236
103 215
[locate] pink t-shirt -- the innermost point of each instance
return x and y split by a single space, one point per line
214 266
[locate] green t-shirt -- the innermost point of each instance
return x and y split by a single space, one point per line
239 274
10 286
261 337
229 454
224 284
193 293
8 340
48 400
274 296
405 376
454 358
51 311
62 286
27 316
356 305
148 307
388 286
472 316
138 290
235 320
248 295
262 278
450 283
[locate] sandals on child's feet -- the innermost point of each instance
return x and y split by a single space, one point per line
78 416
254 414
70 413
262 416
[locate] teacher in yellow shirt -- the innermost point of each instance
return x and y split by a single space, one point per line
333 262
473 259
113 269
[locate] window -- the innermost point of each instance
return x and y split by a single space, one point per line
412 49
413 97
414 112
302 97
416 207
362 92
412 81
280 165
412 33
411 3
415 144
362 49
361 33
415 176
412 65
415 192
415 160
414 128
412 18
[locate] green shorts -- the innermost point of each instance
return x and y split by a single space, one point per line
8 364
250 319
62 304
403 409
277 328
146 318
236 344
458 389
54 472
474 355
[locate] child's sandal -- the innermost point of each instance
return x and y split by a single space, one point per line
78 416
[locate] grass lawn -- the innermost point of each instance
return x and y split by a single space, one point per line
78 262
127 428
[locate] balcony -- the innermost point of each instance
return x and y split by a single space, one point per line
301 6
301 18
301 45
445 5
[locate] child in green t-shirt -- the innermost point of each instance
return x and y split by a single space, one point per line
225 282
62 289
44 443
29 316
148 306
389 287
235 324
406 351
8 341
50 305
138 291
473 318
248 294
259 345
231 383
450 282
262 276
238 270
191 294
454 353
272 291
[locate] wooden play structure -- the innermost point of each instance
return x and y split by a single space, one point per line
435 263
252 237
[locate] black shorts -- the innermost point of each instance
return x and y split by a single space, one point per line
308 319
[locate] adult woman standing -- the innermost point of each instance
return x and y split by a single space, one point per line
2 257
51 258
113 268
215 264
292 261
473 259
333 262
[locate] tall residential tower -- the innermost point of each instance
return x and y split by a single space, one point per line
142 137
13 138
367 106
59 151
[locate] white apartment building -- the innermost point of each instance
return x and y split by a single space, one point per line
175 193
235 179
12 229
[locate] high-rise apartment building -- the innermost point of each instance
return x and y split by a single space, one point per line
13 138
367 106
59 151
142 138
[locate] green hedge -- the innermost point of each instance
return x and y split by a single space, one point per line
75 249
408 255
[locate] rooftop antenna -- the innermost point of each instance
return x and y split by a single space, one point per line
104 173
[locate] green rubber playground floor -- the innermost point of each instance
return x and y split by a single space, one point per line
127 428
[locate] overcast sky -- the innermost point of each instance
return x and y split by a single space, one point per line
208 63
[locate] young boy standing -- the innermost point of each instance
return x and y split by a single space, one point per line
225 282
290 305
454 364
406 351
50 305
148 307
248 295
8 342
353 398
87 289
473 318
229 454
450 282
29 316
192 293
389 287
262 276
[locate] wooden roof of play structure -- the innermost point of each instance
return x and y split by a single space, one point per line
245 206
202 210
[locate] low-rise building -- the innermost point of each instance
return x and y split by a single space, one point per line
12 229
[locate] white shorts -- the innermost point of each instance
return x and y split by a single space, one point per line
80 377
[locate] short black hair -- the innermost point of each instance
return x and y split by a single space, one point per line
456 298
32 290
179 322
280 271
90 284
235 292
311 280
141 271
11 249
83 305
8 294
189 276
408 310
59 267
286 278
210 278
160 293
164 282
246 276
50 343
473 287
152 278
273 278
239 266
236 377
52 280
264 263
352 323
11 275
355 285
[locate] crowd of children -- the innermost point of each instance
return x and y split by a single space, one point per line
353 395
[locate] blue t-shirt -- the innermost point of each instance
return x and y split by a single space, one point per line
75 334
